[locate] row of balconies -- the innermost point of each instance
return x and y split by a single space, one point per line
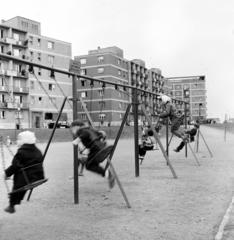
10 105
24 90
14 73
20 43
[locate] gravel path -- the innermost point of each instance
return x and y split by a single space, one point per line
163 208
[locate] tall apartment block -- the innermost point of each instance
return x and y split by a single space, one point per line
149 80
106 104
23 101
191 89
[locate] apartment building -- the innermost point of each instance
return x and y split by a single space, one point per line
106 104
32 100
190 89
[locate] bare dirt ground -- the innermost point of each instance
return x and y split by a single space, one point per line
163 208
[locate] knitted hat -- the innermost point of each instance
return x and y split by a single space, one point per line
26 137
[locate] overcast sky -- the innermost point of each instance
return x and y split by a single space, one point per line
181 37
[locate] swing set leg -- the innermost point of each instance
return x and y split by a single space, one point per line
198 163
211 155
159 142
118 182
29 195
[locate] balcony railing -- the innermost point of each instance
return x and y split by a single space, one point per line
3 104
18 106
21 89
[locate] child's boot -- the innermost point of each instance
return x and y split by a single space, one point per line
10 209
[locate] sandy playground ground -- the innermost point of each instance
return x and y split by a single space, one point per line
163 208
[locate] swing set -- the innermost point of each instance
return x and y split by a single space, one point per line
106 152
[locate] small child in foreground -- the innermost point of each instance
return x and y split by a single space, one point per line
27 155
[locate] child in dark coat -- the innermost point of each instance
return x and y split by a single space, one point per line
169 110
91 142
27 155
192 133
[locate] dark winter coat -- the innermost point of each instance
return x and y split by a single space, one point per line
91 140
27 155
192 133
174 116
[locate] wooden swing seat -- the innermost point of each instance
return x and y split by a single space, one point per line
30 186
101 155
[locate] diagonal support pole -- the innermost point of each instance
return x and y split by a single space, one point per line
119 134
118 182
211 155
50 139
159 142
198 163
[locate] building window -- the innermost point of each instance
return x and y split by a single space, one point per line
51 87
83 61
16 36
100 59
178 93
32 100
118 61
101 93
32 85
31 40
31 55
84 94
177 87
35 28
1 34
83 116
40 100
50 45
39 56
51 59
102 104
83 72
38 42
119 72
83 83
2 114
120 116
120 105
16 52
102 116
100 70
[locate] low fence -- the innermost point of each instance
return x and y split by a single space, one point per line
64 134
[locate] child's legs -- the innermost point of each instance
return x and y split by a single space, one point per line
142 151
16 198
181 146
94 166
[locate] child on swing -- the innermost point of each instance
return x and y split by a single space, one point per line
92 142
169 110
148 142
27 155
